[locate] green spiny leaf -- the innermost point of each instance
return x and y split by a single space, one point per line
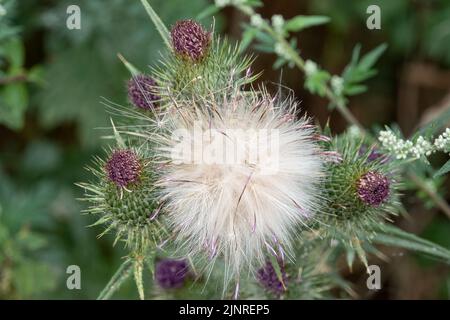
302 22
276 267
138 268
370 58
158 23
133 70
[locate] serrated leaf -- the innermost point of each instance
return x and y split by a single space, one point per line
360 69
370 58
302 22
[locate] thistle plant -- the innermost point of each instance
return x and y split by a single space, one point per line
124 196
196 193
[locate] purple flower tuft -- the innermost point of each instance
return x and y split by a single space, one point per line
171 274
141 92
373 188
268 278
190 40
123 167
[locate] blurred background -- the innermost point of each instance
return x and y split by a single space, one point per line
52 80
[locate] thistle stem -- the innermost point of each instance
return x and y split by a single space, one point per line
117 280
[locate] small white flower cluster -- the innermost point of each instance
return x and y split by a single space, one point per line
391 142
443 141
280 50
310 68
421 148
278 23
337 84
256 20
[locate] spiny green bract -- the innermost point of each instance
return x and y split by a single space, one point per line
222 70
132 212
347 216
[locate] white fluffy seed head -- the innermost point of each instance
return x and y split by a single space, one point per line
239 177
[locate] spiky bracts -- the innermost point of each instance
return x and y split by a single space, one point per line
222 71
361 191
143 92
124 196
238 206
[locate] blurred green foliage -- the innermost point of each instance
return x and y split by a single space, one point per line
78 77
63 74
14 94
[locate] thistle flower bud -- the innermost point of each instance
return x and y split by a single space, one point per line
125 199
190 40
123 167
373 188
268 278
142 92
171 274
360 191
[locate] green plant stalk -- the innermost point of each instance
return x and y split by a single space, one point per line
117 280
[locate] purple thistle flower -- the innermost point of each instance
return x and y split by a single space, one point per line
141 92
190 40
373 188
171 274
268 278
123 167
